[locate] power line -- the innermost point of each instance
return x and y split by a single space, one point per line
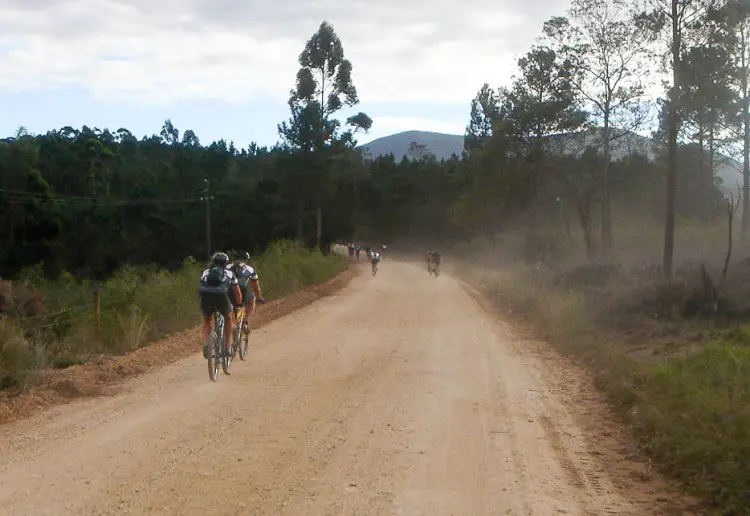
20 197
207 197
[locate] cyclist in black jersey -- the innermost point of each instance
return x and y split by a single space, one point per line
215 286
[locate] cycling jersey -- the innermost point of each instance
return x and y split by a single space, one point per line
228 280
245 274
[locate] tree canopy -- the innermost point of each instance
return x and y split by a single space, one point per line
543 151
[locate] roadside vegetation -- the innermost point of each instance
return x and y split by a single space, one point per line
673 356
54 323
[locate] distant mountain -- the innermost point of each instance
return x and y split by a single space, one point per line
624 143
444 145
441 145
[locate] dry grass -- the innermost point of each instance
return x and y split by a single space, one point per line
682 383
52 323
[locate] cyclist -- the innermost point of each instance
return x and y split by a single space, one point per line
215 286
247 276
374 260
433 261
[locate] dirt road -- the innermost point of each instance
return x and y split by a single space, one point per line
400 395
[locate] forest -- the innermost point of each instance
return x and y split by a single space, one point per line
540 152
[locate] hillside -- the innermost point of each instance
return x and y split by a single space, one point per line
444 145
441 145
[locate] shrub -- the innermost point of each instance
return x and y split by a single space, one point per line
18 357
137 305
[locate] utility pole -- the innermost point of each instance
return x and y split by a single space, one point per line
208 197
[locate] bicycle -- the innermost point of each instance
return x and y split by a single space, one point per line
434 269
240 333
374 268
215 351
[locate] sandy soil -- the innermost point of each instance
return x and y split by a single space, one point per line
399 395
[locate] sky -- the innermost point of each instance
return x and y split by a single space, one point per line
224 68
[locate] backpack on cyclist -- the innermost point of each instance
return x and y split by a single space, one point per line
215 276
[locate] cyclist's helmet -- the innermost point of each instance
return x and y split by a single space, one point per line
220 259
246 256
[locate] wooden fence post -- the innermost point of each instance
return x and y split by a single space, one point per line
97 311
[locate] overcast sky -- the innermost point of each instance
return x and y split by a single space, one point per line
224 68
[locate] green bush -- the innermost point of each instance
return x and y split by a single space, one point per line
137 305
694 415
19 357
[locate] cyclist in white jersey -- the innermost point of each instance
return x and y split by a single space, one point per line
247 276
214 289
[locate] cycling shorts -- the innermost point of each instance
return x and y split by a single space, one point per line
215 302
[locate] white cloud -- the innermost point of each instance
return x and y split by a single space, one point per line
239 50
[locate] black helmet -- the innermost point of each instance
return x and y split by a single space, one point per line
220 259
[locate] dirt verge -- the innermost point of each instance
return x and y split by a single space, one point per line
577 384
101 377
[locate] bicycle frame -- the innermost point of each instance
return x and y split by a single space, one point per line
216 352
239 315
219 328
240 333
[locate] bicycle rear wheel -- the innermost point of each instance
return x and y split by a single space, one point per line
226 358
244 342
235 339
213 357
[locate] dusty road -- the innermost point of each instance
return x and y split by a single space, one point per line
400 395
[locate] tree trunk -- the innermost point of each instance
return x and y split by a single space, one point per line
607 244
702 168
710 171
668 257
318 226
746 140
584 214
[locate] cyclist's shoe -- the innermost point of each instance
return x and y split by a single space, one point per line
262 300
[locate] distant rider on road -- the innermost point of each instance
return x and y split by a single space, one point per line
374 260
214 289
433 261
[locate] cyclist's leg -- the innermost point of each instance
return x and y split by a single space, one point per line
224 307
207 310
248 297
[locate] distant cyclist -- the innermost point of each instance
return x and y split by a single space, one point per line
215 287
247 276
433 262
374 260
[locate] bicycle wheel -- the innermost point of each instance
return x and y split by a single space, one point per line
226 358
235 338
213 357
244 342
